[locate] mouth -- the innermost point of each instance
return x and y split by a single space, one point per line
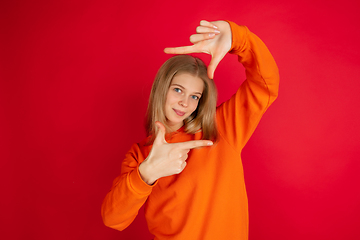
179 113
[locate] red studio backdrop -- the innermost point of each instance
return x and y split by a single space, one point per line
75 77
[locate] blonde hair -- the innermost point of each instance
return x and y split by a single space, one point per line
203 118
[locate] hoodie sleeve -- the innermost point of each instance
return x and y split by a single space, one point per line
238 117
127 194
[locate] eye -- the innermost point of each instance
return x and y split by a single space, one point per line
177 90
195 97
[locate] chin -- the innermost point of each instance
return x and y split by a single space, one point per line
175 122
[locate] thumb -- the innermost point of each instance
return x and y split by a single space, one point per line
215 60
160 135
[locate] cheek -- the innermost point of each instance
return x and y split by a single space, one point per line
194 105
169 99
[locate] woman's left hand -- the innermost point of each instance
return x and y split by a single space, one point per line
213 38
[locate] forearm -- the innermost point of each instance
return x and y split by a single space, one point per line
238 117
122 203
260 66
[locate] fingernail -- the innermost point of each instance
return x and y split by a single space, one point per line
210 143
217 31
215 26
211 34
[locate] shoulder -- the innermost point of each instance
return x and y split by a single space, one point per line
137 153
139 146
142 147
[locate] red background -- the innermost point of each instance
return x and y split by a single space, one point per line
75 78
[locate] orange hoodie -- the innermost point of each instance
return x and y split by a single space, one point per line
208 199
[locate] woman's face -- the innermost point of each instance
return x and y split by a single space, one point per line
182 99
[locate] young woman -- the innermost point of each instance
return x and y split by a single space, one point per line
188 171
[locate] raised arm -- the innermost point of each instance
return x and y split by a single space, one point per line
238 117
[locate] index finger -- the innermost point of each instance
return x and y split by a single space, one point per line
194 144
207 24
181 50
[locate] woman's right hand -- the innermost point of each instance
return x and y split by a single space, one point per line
166 159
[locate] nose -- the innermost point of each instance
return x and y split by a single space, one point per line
183 102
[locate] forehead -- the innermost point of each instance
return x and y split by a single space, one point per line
189 82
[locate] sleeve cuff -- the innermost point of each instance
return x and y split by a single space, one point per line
238 37
138 185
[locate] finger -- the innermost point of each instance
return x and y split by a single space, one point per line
181 50
207 24
215 60
202 29
194 144
211 69
183 157
160 135
201 37
183 165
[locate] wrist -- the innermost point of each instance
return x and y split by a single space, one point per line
145 174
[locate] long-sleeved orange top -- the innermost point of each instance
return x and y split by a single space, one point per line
208 199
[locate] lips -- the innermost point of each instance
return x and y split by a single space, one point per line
179 113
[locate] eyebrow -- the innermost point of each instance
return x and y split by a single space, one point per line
175 84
